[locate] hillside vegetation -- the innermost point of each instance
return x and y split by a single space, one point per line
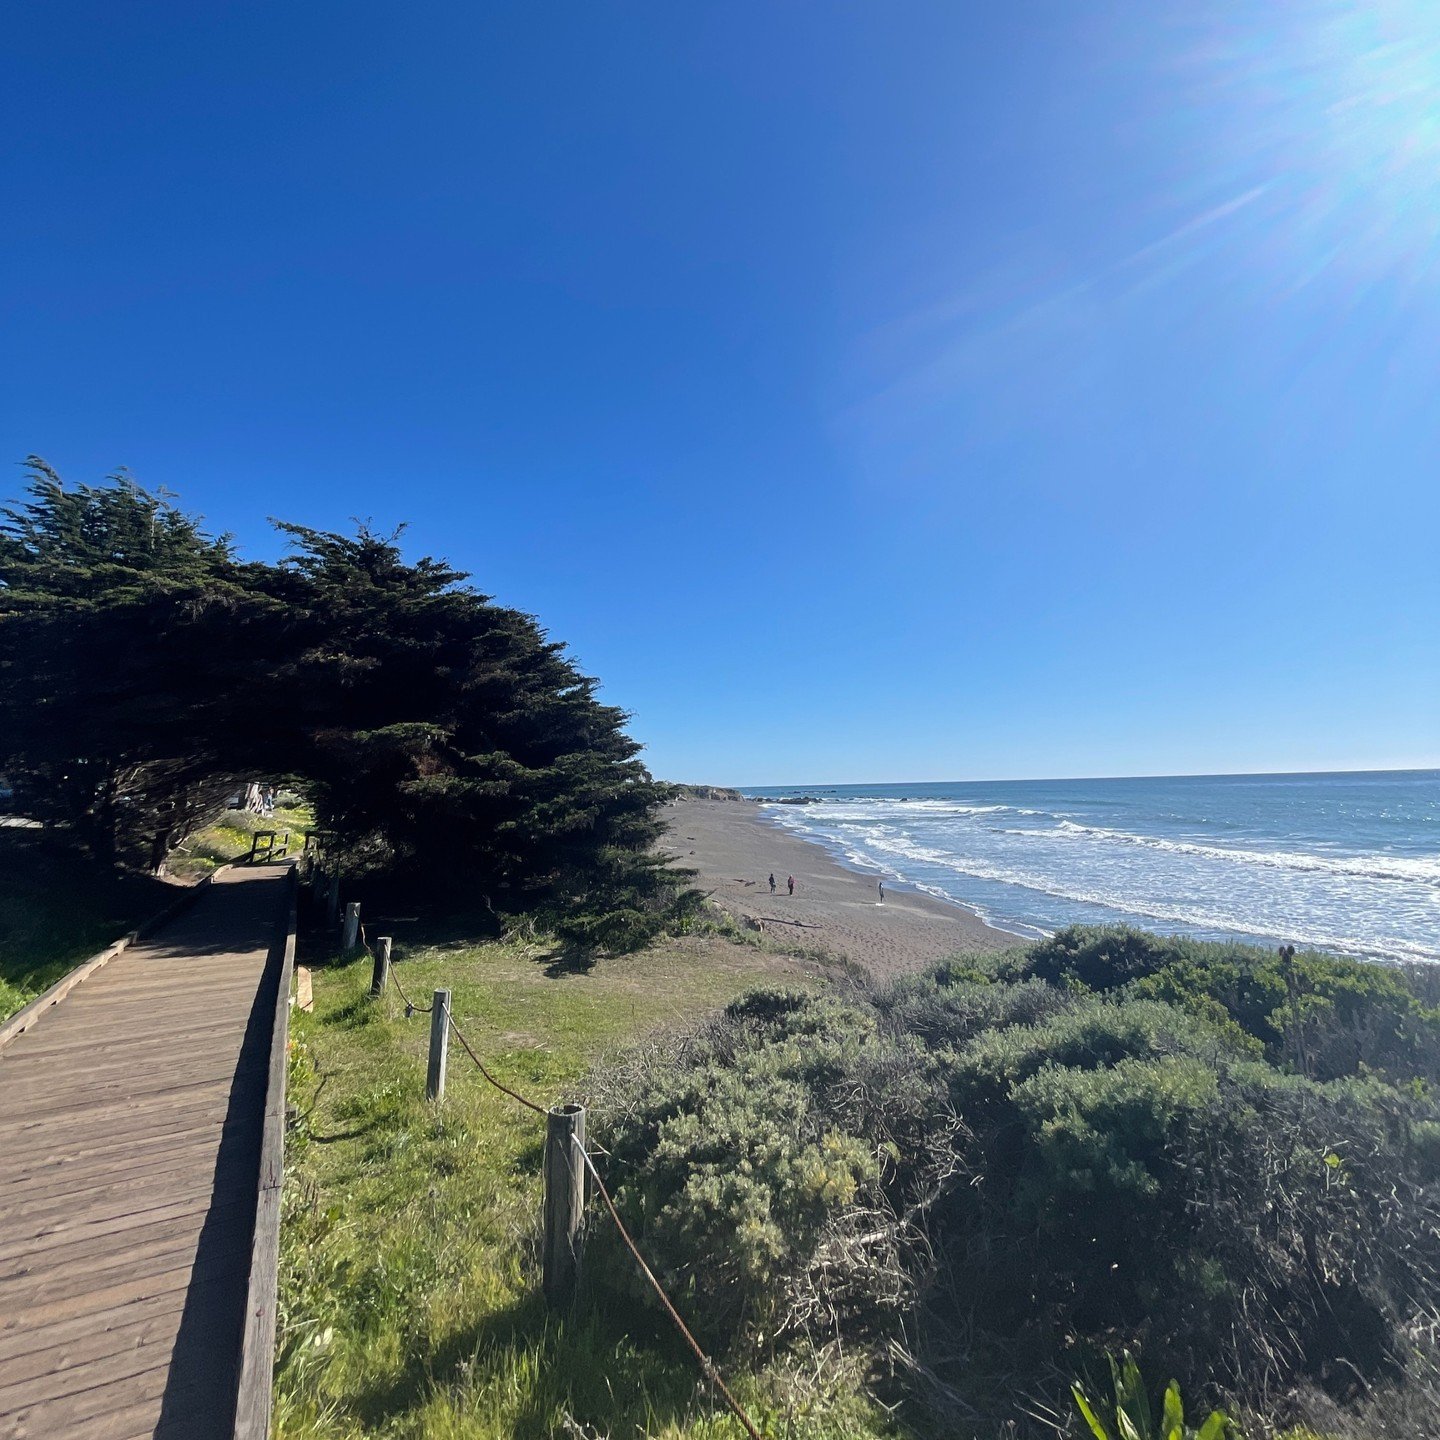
924 1210
988 1177
410 1302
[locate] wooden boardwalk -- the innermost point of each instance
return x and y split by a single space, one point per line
130 1128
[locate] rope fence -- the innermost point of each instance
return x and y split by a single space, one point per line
708 1369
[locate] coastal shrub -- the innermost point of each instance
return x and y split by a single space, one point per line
952 1011
1325 1015
758 1169
984 1172
1221 1216
628 909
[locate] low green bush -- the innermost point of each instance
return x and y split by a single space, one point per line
1101 1142
742 1167
1323 1014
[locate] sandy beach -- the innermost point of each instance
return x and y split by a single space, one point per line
734 849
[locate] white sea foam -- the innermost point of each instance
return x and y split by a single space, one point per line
1374 905
1413 869
1419 871
1296 927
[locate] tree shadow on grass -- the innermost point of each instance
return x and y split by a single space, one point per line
354 1014
530 1156
567 960
58 908
584 1364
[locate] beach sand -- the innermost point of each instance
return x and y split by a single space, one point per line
734 848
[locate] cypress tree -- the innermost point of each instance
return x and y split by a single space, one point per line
444 740
117 616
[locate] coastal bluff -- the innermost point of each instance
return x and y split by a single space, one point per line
706 792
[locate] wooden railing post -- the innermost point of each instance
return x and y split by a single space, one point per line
351 937
380 976
564 1202
439 1034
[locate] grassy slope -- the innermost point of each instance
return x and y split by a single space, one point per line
58 909
409 1262
230 838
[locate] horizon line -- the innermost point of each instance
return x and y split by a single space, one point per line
1052 779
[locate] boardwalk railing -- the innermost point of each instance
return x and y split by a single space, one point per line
257 1345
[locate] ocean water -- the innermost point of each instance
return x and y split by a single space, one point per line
1343 862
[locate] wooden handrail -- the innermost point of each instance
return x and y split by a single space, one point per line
257 1345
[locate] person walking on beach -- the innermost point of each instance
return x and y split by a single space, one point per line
772 882
881 888
791 883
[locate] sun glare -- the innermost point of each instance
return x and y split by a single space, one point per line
1334 106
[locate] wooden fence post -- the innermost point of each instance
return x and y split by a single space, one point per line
352 928
380 976
564 1202
439 1034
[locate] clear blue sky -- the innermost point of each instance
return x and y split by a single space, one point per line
865 391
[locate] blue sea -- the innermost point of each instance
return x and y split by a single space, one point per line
1342 862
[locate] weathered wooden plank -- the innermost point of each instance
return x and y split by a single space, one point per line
60 1232
98 1025
101 1372
110 1107
114 1112
63 1137
111 1055
216 1033
130 1162
197 1179
84 1337
140 991
59 1414
89 1346
105 1149
100 1250
54 1277
63 1329
139 1422
39 1097
147 1005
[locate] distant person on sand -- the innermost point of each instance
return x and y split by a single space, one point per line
791 883
772 882
881 888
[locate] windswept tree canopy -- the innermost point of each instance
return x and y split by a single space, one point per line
145 670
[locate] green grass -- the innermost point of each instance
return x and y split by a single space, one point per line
230 838
409 1267
57 909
